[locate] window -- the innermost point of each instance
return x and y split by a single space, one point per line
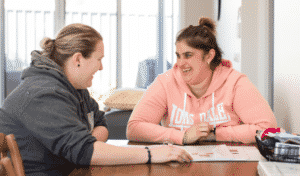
101 15
25 26
133 31
139 36
138 39
142 37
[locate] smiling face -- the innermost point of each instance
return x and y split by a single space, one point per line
81 76
193 68
91 65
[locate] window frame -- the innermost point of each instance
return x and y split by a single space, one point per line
2 54
59 22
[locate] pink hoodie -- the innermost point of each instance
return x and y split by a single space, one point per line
231 102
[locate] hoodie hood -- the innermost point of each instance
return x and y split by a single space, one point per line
220 75
42 64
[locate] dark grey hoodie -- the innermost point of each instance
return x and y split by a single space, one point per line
51 120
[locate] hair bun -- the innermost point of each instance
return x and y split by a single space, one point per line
46 43
209 23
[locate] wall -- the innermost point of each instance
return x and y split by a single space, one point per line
2 54
287 64
228 36
256 45
192 10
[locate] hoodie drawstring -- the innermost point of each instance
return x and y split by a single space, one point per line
184 106
213 107
185 118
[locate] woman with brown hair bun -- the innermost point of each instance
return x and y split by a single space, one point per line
57 125
201 98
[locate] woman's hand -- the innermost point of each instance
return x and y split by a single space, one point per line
166 153
196 132
282 130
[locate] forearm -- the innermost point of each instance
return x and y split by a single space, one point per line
144 132
100 133
240 133
148 132
105 154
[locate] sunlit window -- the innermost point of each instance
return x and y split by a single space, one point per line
101 15
139 37
26 23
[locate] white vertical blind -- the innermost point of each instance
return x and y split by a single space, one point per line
101 15
139 31
26 23
25 26
2 54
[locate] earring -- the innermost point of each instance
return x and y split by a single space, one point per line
78 65
207 62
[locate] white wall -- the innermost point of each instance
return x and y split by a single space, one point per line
227 31
2 54
192 10
287 64
256 45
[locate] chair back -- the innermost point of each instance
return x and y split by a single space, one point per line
6 167
9 144
2 145
2 142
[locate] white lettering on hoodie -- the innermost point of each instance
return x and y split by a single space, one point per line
183 119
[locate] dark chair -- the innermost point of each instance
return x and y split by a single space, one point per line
147 72
117 123
9 144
